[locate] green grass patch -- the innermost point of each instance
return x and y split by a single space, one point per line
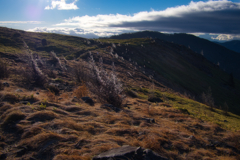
198 110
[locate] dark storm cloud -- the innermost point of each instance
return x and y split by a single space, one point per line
224 21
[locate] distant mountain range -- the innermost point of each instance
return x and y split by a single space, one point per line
227 59
233 45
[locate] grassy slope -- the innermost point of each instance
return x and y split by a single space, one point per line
176 64
195 109
68 130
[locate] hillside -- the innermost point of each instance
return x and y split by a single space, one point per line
45 112
228 59
233 45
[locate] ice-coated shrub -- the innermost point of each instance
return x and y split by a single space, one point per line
56 59
105 85
33 74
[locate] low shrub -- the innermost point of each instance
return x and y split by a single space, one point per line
207 98
55 60
53 88
106 86
4 73
81 91
32 74
51 97
80 73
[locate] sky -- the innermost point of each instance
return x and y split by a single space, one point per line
217 20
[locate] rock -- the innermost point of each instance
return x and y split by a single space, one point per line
21 152
88 100
192 137
19 90
24 102
3 156
154 99
149 120
150 155
6 84
129 152
110 107
75 99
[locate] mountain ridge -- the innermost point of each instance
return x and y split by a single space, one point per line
233 45
217 54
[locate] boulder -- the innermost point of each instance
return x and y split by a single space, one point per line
110 107
19 90
75 99
88 100
6 84
129 152
154 99
149 120
24 102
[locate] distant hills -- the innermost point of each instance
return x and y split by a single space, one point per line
233 45
227 59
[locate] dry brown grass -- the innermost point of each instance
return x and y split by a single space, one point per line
38 141
51 97
200 154
80 132
32 131
81 91
13 117
70 157
42 116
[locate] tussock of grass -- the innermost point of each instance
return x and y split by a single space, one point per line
13 117
69 157
42 116
30 132
72 108
38 141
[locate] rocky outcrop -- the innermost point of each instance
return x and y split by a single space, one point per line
128 152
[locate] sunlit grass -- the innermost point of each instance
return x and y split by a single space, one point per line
198 110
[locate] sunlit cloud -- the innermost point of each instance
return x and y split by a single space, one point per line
62 5
196 17
225 37
20 22
87 33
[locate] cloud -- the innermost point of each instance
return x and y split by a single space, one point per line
62 5
220 17
86 33
20 22
225 37
68 31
